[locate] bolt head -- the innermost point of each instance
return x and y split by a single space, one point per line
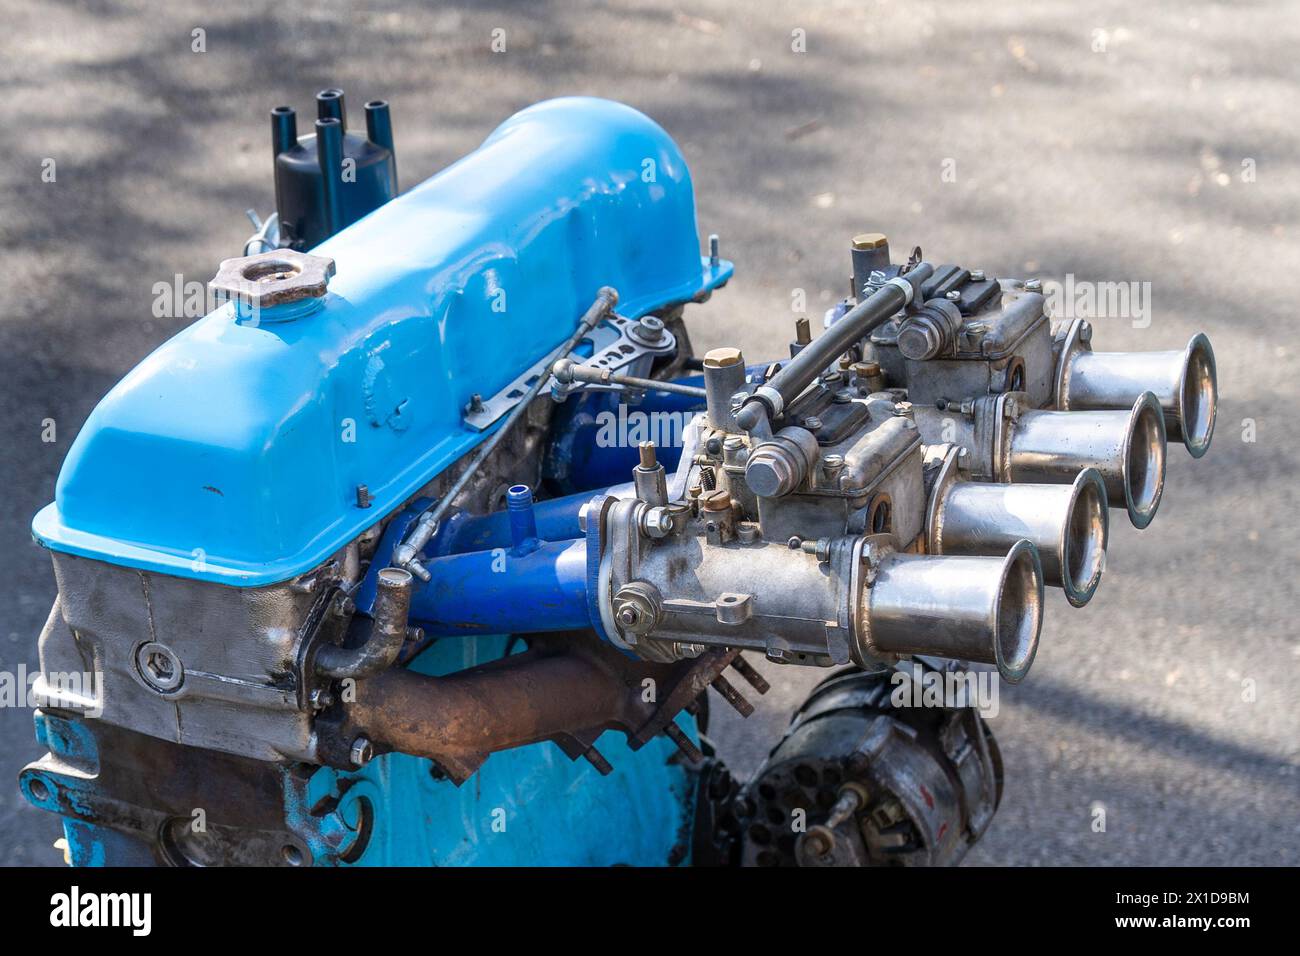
919 341
160 667
652 326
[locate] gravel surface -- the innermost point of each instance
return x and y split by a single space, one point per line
1138 142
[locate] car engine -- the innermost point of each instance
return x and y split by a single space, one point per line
435 529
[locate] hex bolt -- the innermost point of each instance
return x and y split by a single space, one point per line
821 548
658 522
362 751
714 257
363 497
953 296
1033 285
159 666
977 275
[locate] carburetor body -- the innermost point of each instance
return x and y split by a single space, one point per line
380 524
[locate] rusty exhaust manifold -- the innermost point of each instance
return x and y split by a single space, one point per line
567 687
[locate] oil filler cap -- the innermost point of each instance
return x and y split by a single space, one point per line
275 278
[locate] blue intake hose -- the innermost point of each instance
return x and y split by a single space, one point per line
504 591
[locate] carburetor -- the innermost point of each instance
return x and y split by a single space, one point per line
906 484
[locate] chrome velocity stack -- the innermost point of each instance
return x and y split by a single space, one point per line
1184 383
1126 448
983 609
1068 524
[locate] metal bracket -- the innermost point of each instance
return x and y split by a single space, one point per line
616 343
625 344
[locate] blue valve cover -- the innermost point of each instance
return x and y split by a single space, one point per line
233 452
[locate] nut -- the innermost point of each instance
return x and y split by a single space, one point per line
362 751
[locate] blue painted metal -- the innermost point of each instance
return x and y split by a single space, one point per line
226 455
505 591
594 435
555 519
555 811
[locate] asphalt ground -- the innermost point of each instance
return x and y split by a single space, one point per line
1142 143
